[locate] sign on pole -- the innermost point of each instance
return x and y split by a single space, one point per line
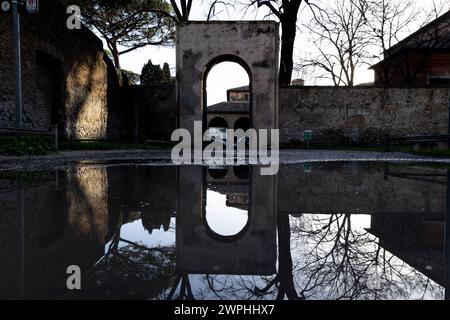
32 6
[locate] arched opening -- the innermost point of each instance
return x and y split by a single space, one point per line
227 91
242 172
222 218
218 128
218 122
218 173
242 123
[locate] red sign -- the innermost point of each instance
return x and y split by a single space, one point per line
32 6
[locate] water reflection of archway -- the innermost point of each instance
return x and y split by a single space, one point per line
242 172
218 173
226 204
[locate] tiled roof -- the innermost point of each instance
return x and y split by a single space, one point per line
229 107
435 35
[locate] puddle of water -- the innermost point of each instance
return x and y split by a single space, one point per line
319 231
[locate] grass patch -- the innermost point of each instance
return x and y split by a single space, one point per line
38 146
99 145
361 148
108 145
27 176
26 146
432 151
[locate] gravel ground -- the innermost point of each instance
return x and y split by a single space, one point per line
154 157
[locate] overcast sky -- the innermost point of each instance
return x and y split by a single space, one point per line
228 75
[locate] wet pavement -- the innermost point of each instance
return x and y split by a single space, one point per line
325 230
70 158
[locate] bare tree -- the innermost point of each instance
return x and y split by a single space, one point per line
286 11
182 9
214 8
438 8
339 34
388 22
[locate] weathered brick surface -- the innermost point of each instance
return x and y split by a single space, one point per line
150 112
65 75
335 113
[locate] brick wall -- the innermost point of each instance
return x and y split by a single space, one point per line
338 115
150 112
65 75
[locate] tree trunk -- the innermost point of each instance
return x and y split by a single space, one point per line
286 278
116 55
289 30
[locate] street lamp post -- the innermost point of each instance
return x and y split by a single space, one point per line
18 62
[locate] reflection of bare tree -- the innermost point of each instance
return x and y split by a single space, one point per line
334 259
327 257
342 263
182 281
128 265
250 287
284 280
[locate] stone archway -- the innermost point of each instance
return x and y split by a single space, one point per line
252 44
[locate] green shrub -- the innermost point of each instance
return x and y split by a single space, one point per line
26 146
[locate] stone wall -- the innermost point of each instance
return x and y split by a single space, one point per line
252 44
339 115
66 76
358 188
150 112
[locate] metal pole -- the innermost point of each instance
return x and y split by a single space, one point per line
18 63
20 246
448 132
55 131
447 238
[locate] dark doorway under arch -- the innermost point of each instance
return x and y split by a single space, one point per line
218 122
242 172
242 123
218 173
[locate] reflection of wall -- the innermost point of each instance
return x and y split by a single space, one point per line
356 188
415 239
88 201
199 251
149 191
65 223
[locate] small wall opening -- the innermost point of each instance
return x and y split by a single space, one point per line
49 90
